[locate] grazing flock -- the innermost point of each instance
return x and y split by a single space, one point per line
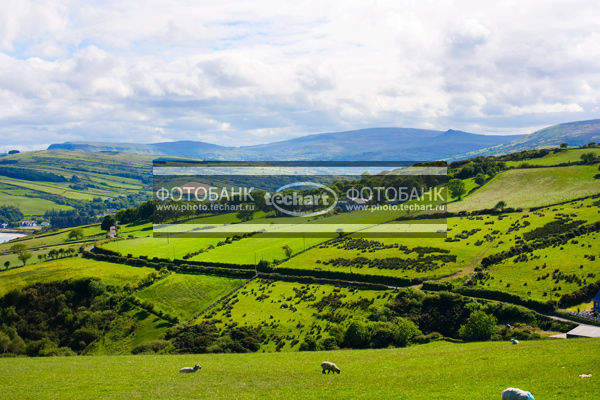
507 394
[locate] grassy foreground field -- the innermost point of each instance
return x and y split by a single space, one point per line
550 369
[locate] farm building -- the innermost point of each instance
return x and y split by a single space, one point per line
597 302
348 205
584 331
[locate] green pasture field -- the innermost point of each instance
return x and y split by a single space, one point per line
56 238
131 328
532 188
526 278
67 268
15 262
550 369
91 233
281 319
185 295
30 206
569 156
58 188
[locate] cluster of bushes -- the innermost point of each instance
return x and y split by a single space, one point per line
206 338
547 306
154 347
146 305
158 264
552 228
10 215
584 294
60 318
447 312
265 267
31 175
359 334
427 263
470 168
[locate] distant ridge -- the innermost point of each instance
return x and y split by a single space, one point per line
577 133
384 144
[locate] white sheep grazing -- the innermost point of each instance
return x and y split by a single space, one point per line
189 369
516 394
329 366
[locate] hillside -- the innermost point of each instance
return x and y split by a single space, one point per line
578 133
39 182
382 144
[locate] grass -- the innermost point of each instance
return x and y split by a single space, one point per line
30 206
184 296
74 267
570 156
533 188
131 328
526 279
285 307
547 368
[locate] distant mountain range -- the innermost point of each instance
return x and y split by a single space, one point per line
385 144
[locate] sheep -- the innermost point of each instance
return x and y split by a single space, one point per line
516 394
189 370
329 366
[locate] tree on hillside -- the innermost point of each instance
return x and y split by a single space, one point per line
107 222
18 248
6 264
288 251
457 188
500 206
480 326
76 234
246 212
564 145
480 179
23 257
53 253
589 158
357 335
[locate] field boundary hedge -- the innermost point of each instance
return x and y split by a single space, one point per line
547 306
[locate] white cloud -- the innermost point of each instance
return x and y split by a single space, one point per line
238 73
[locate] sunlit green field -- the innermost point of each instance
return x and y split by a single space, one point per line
570 156
30 205
533 278
73 267
533 188
184 296
549 369
283 309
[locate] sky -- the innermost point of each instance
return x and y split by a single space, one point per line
239 73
